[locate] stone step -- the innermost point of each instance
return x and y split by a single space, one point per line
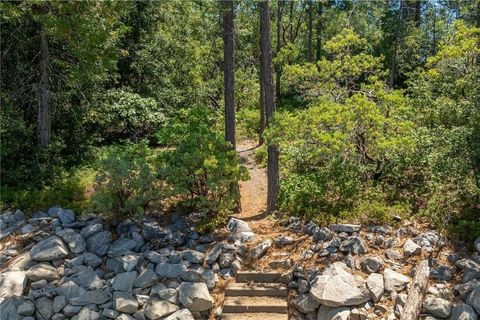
254 316
259 277
256 289
243 304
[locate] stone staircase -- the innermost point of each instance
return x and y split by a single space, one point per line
256 295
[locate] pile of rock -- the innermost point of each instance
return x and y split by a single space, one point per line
369 272
84 269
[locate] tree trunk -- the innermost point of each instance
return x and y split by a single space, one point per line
43 93
261 101
265 46
319 30
229 71
417 290
278 67
412 11
393 63
309 32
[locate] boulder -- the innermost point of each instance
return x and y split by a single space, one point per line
75 241
473 299
99 243
348 228
91 259
410 248
87 314
183 314
49 249
27 308
12 283
260 249
463 312
376 286
44 308
156 309
305 303
88 279
394 281
214 253
124 302
354 245
283 241
146 279
436 306
59 302
170 270
66 216
124 281
328 313
322 234
91 229
371 264
70 290
195 296
121 246
193 256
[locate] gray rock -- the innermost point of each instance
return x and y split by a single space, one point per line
27 308
169 270
38 284
8 308
109 313
130 261
354 245
124 302
121 246
442 273
237 225
394 281
371 264
75 241
260 249
70 290
305 303
88 279
91 229
463 312
214 253
226 259
146 279
168 294
70 310
12 283
336 287
99 243
49 249
44 308
124 281
328 313
195 296
152 230
59 302
477 244
376 286
283 241
66 216
436 306
156 309
91 259
410 248
99 296
348 228
473 299
87 314
183 314
193 256
155 257
322 234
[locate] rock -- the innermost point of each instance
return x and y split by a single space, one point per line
59 302
155 257
12 283
66 216
169 294
193 256
75 241
99 242
336 287
130 261
195 296
157 309
169 270
91 229
27 308
49 249
442 273
305 303
437 307
152 230
88 279
260 249
44 308
328 313
394 281
183 314
214 253
70 310
121 246
376 286
283 241
226 259
87 314
463 312
109 313
322 234
410 248
348 228
99 296
371 264
393 255
237 225
124 281
354 245
124 302
473 299
91 259
477 244
146 279
70 290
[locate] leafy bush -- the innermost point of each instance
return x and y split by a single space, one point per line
248 120
127 181
203 168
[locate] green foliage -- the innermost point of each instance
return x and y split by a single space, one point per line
203 167
127 182
248 123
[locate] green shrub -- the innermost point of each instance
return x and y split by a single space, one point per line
260 156
248 123
127 181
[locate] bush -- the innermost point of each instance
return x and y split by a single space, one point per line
127 181
248 123
203 168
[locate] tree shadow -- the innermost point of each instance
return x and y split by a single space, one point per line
261 215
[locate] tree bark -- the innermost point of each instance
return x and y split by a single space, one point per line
265 46
310 32
229 71
261 101
278 67
319 30
393 63
417 290
44 123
